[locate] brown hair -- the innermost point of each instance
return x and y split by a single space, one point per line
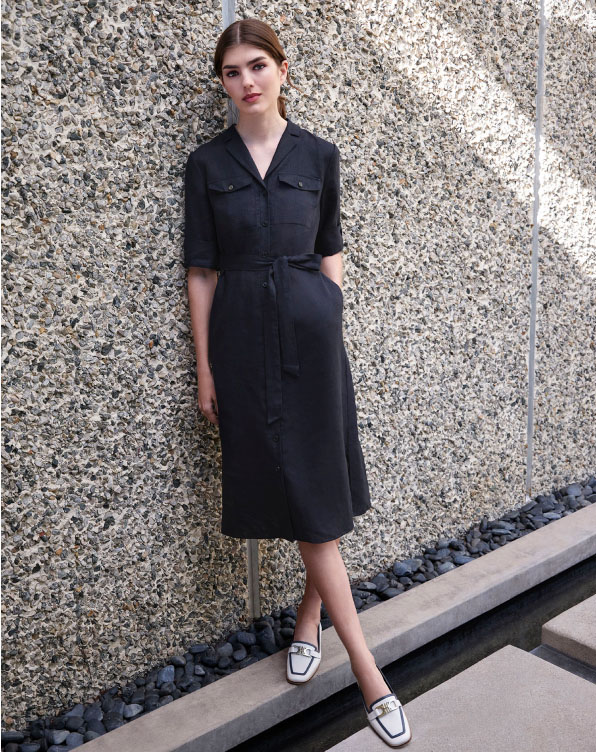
258 34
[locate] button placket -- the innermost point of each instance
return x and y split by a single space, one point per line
265 221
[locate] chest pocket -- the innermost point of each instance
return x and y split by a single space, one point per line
295 199
234 202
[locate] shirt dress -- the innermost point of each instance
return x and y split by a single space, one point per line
292 463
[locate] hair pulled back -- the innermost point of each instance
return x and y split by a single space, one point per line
258 34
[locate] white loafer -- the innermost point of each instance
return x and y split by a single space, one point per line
387 718
303 660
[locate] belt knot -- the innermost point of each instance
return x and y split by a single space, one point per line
281 350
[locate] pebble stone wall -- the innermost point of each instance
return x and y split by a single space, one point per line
112 556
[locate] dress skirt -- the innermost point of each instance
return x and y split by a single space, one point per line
292 464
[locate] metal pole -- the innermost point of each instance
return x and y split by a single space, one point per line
252 544
543 24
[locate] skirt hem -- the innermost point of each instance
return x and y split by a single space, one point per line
272 536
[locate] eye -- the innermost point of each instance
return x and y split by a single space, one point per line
257 65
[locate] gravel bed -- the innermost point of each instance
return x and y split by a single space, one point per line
203 664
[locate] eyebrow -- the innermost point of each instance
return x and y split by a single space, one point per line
250 62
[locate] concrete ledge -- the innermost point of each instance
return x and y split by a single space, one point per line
510 700
245 703
574 632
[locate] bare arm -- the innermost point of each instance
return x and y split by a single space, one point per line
201 287
332 266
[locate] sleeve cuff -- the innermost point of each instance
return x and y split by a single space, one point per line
201 253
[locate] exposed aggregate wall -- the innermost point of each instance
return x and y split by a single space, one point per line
112 555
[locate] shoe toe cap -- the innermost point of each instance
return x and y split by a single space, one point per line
300 665
393 725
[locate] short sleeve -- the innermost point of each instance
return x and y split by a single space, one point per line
329 239
200 240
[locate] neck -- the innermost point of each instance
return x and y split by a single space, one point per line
262 127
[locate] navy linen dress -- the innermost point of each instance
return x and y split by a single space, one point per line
292 464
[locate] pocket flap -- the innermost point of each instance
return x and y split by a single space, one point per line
302 182
229 185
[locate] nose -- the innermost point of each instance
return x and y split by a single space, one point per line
247 82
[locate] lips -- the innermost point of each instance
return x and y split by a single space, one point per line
251 97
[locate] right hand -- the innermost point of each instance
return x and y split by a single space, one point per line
207 397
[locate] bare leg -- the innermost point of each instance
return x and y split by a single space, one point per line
327 577
309 611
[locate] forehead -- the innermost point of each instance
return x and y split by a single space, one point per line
243 54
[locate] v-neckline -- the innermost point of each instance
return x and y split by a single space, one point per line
283 135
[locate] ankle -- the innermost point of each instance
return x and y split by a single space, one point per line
363 663
308 617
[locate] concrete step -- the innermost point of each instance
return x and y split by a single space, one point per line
510 700
574 633
247 702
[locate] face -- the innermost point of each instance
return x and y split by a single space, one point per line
250 70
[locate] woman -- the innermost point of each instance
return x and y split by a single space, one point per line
263 207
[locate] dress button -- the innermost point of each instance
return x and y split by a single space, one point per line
265 223
230 187
264 284
277 468
276 437
300 183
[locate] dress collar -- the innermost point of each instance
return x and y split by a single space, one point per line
238 149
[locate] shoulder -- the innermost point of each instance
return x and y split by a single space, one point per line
209 149
325 148
320 150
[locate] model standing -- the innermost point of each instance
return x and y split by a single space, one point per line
263 207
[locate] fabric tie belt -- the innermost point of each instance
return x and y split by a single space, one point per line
281 351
